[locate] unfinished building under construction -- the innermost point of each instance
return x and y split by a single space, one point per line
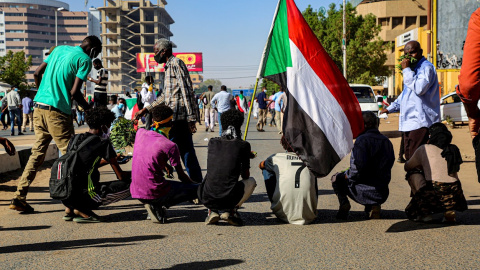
128 28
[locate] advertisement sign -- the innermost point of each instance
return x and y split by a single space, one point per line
452 21
246 92
146 62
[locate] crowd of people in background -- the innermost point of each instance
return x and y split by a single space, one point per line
170 117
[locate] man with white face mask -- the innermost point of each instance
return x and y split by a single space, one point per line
59 79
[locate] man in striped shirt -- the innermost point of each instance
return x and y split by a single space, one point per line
178 94
100 94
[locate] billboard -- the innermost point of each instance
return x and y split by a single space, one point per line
452 21
146 62
246 92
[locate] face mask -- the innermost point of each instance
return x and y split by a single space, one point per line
120 106
265 90
16 89
160 59
92 54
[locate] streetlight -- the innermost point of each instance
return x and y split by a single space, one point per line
56 25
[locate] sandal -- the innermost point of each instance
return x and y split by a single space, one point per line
90 219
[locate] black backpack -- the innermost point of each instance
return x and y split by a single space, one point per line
64 172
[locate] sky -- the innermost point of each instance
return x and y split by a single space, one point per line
231 34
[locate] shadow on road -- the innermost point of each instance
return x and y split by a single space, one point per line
76 244
205 265
469 217
26 228
14 175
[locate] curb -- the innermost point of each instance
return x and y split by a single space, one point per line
19 160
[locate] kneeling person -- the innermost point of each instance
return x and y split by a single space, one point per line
90 193
371 162
151 153
291 187
228 159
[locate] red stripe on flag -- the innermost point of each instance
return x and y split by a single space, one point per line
319 60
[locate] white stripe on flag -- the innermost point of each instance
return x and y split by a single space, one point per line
317 101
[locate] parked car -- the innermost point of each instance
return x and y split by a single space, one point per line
365 96
451 106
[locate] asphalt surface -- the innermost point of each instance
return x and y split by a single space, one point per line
128 241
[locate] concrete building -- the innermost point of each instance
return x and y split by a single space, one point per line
29 25
128 28
396 17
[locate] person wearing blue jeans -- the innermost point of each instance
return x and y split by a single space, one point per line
16 113
181 135
221 103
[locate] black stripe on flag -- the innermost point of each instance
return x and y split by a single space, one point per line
308 140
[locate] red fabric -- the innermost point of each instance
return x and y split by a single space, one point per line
134 111
319 60
237 99
469 78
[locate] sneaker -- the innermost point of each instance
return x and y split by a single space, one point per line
449 217
211 130
69 217
157 215
206 129
12 134
373 212
270 125
20 133
280 132
233 218
24 130
401 160
343 211
212 217
21 206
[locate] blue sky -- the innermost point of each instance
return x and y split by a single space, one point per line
231 34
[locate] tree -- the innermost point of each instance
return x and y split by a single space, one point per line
270 86
366 55
215 83
13 69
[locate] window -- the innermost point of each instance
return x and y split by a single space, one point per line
384 21
423 21
396 21
410 21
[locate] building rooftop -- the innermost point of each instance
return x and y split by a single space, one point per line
50 3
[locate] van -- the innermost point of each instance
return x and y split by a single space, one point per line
365 96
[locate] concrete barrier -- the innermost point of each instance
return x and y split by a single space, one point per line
19 160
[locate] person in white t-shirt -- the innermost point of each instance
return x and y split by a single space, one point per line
148 97
291 187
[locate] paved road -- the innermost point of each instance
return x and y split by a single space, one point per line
128 241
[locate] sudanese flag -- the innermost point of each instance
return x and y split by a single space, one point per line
323 115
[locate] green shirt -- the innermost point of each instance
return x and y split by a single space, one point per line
64 64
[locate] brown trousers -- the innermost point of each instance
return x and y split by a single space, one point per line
48 125
414 139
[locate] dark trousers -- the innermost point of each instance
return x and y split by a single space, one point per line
270 183
148 121
16 113
5 116
181 135
100 99
272 121
402 146
108 192
179 192
414 139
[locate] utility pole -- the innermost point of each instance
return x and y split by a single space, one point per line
344 42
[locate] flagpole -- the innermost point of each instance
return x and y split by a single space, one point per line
261 68
250 109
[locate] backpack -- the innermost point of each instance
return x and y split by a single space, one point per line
64 172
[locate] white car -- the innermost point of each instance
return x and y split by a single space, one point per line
451 105
365 96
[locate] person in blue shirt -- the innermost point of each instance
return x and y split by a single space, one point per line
262 109
419 103
278 110
221 102
366 181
